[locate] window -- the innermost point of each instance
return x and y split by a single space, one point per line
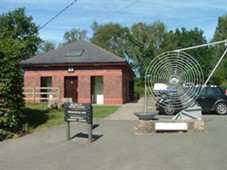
74 53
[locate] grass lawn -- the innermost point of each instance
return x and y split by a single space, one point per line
38 117
103 111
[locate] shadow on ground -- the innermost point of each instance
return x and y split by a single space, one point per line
85 135
34 117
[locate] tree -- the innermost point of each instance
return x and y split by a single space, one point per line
221 29
112 37
220 75
18 41
170 41
138 45
145 43
94 26
45 46
182 38
75 34
18 26
11 78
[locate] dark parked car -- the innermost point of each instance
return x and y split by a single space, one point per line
211 99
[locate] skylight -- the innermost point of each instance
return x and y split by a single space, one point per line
74 53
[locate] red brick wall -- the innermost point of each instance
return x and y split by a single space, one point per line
113 88
31 80
58 81
84 88
113 79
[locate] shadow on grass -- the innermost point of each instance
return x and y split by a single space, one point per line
34 117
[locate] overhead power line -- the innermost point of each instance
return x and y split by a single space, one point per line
119 10
57 15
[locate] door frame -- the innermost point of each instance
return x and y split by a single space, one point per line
70 90
97 95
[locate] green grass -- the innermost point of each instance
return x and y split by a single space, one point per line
103 111
38 117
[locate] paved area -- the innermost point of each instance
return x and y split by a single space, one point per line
125 112
116 147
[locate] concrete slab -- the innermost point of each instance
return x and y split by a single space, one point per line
168 125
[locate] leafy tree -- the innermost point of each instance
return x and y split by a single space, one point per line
221 29
112 37
170 41
145 44
75 34
94 26
220 75
18 41
138 44
46 46
11 78
182 38
18 26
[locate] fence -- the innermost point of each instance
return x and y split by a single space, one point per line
41 93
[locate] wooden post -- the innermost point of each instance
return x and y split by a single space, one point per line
67 130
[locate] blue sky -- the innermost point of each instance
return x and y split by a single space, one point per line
174 13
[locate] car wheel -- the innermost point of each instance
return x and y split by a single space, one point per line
169 109
221 108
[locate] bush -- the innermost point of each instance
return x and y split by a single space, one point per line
11 97
18 41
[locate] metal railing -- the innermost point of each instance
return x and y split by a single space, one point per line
41 93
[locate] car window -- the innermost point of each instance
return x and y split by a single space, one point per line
211 91
203 91
219 91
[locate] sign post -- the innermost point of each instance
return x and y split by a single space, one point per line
77 112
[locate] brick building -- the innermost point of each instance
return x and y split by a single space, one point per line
81 71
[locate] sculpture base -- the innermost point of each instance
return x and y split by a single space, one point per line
154 126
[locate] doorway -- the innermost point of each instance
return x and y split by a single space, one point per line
45 84
71 84
97 89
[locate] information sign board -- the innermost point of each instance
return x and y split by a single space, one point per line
78 112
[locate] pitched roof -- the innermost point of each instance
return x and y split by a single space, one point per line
78 52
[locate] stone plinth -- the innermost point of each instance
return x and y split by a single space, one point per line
149 126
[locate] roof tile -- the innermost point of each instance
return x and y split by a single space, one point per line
90 53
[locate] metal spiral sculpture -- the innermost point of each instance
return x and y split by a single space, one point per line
178 71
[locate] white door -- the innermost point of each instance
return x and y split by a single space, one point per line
99 89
